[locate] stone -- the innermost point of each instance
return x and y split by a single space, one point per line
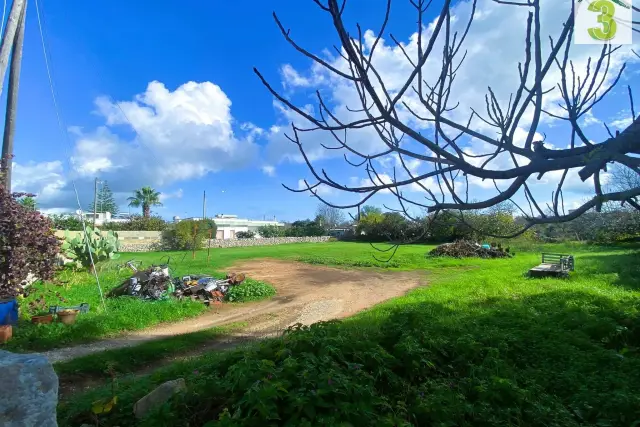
28 391
158 396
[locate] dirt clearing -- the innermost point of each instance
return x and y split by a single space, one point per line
305 294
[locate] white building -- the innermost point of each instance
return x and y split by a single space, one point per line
101 217
230 225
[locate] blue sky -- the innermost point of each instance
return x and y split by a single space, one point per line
166 96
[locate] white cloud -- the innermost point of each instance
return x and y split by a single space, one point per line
269 170
172 195
321 190
589 119
622 120
178 135
45 179
290 77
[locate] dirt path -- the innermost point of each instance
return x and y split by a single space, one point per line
305 294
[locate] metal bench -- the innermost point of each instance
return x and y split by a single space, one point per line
553 265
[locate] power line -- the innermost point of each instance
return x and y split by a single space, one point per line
66 135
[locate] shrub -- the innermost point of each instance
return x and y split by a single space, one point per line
27 244
98 248
270 231
250 290
188 234
304 228
245 234
138 223
66 222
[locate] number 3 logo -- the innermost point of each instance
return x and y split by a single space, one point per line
609 26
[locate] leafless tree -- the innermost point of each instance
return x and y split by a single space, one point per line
623 178
425 98
331 216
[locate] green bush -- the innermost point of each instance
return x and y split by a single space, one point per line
270 231
245 234
66 222
138 223
188 234
250 290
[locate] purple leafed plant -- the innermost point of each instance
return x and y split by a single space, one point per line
27 244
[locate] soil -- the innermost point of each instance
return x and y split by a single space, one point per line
305 294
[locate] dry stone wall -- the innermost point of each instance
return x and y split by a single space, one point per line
230 243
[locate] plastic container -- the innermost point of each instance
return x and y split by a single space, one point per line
8 312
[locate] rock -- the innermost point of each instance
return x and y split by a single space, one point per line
28 391
157 397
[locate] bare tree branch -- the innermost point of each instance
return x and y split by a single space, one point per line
413 122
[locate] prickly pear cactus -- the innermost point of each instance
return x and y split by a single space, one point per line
92 244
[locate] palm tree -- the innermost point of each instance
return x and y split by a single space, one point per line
145 197
28 202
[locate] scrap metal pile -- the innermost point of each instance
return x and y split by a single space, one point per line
156 283
467 249
206 288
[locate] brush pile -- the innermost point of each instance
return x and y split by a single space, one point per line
468 249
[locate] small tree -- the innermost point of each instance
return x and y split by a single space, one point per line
188 234
27 244
328 216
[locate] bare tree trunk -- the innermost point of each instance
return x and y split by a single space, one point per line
12 100
146 210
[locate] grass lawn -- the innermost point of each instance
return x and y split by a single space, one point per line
482 345
128 314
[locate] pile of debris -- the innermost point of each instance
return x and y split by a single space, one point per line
206 288
468 249
156 283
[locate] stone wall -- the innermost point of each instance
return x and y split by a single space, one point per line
123 235
237 243
231 243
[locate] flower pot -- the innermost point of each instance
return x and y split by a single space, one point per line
6 331
42 319
68 317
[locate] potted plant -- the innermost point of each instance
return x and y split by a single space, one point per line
29 248
39 308
68 317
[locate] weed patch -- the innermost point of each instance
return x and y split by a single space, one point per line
250 290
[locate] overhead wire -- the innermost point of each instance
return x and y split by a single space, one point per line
65 133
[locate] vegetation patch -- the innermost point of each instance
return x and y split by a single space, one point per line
131 359
480 346
250 290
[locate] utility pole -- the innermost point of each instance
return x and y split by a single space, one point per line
204 205
8 37
14 42
358 213
95 202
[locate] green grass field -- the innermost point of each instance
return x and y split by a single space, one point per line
128 314
482 345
